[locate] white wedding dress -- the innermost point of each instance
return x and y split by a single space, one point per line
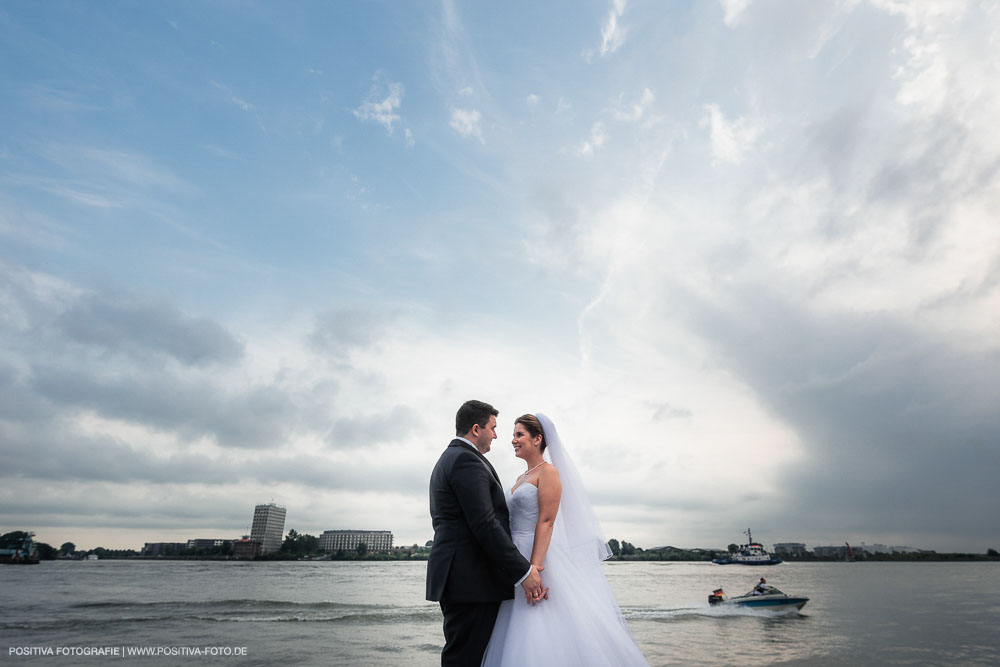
580 623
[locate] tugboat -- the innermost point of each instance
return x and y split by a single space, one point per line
752 553
22 552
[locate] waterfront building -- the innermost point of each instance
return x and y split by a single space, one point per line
163 548
790 549
199 543
876 548
246 548
830 552
268 527
332 541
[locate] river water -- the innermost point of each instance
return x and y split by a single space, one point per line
240 614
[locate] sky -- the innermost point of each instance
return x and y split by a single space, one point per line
745 254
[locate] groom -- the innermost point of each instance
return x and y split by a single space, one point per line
473 564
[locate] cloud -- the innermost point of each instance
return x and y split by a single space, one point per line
109 169
57 454
886 412
612 33
467 123
221 152
381 104
822 315
191 408
663 410
64 98
598 135
133 361
729 141
123 323
345 328
238 101
734 10
109 406
372 431
636 110
85 198
54 452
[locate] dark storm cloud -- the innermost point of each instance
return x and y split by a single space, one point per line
373 430
337 332
110 353
900 425
898 420
191 407
876 162
640 496
103 507
53 452
322 473
122 323
66 358
916 183
16 402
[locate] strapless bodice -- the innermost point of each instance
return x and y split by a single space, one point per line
523 506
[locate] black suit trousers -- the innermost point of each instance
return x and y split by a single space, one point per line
467 630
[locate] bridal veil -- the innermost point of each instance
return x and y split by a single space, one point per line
576 526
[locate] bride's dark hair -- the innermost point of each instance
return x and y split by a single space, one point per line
533 426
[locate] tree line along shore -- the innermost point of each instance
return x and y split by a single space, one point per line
298 546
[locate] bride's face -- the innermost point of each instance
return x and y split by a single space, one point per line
524 444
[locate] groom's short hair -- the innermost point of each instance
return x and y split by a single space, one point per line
473 412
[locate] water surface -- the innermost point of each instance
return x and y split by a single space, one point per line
357 613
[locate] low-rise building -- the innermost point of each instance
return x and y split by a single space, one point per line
830 552
246 548
905 550
163 548
790 549
200 543
348 540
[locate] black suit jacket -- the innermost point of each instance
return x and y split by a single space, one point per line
473 558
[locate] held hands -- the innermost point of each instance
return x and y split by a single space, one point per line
534 591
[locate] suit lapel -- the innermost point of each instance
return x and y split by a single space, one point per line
460 443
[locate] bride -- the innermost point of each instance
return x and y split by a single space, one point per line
553 525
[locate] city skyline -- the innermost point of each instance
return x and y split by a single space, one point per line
820 543
743 253
874 548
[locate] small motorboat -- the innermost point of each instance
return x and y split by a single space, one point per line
770 598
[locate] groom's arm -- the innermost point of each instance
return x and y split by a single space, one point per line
472 482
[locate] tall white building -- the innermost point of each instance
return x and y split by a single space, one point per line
268 527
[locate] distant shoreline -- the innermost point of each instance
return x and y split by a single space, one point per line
385 558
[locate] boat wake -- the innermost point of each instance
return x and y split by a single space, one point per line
684 613
115 614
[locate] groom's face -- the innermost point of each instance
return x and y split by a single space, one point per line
486 435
